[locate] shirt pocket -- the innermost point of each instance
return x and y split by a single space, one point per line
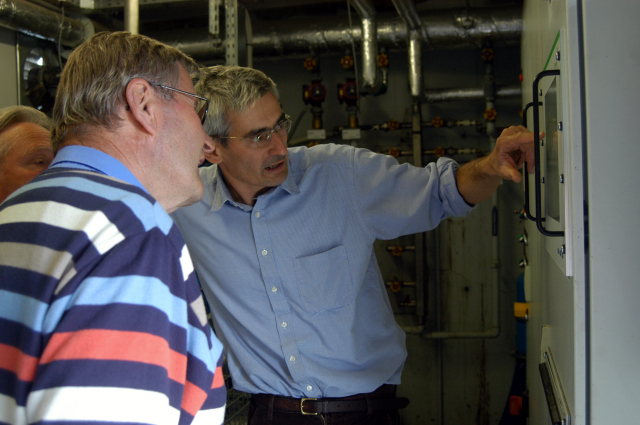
324 280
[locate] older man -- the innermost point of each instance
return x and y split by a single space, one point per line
101 316
25 147
283 244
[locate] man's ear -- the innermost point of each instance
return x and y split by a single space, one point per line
142 102
213 150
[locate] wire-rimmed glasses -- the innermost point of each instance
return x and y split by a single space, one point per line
203 103
262 139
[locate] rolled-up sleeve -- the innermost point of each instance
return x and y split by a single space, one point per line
399 199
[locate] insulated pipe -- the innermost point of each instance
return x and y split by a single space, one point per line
39 21
449 95
411 19
449 29
131 16
367 12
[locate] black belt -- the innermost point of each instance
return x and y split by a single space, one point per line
376 400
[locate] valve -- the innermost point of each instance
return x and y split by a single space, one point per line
523 239
383 60
394 152
311 64
347 62
394 125
487 54
439 151
395 286
437 122
396 250
490 114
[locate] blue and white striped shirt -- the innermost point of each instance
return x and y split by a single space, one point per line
101 317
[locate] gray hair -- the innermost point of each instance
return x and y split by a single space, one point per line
94 80
231 89
19 114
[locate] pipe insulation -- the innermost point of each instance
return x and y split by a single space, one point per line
44 23
472 93
369 41
417 34
444 29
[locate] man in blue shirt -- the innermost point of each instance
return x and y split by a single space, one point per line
282 242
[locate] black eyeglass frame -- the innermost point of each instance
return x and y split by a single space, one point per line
268 133
203 117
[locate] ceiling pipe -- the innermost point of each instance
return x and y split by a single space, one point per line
369 40
44 23
417 33
451 29
448 29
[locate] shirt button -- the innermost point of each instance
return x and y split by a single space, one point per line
264 252
274 289
257 214
284 324
309 387
292 359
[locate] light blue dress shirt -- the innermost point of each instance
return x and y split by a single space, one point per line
293 283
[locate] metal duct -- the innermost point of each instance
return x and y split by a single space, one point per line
369 37
417 33
39 21
450 29
449 95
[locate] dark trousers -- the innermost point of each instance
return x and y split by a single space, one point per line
265 413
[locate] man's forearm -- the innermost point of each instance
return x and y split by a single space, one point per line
476 181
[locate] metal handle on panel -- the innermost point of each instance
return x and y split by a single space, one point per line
524 168
536 148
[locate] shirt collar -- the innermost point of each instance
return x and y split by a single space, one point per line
86 158
221 192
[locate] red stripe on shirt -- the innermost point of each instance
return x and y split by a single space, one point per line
14 360
102 344
218 379
193 398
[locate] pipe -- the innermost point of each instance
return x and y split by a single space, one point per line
131 16
44 23
449 95
417 33
370 80
494 330
444 30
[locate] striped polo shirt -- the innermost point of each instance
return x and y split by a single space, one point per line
101 316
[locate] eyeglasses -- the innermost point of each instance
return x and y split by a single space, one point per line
262 139
202 107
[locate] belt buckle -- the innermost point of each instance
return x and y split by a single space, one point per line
302 406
